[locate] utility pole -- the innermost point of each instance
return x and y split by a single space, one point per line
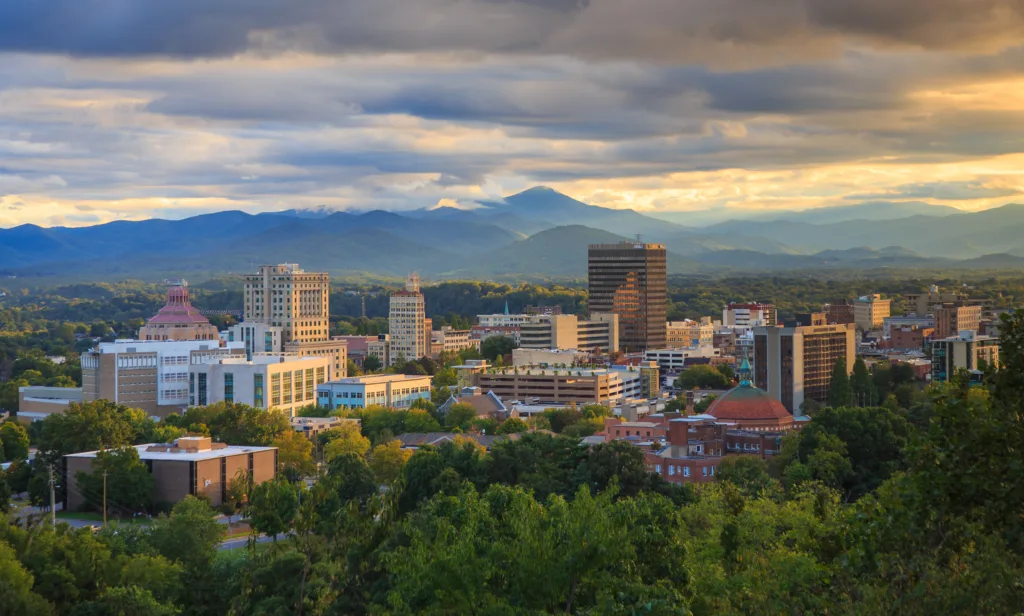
53 506
104 499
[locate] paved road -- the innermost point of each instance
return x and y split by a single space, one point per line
242 542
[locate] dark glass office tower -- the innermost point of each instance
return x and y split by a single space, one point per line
629 279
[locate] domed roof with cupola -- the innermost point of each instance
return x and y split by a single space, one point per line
748 404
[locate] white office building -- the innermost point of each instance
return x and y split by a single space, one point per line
282 382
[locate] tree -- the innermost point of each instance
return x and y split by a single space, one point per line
273 506
14 441
125 601
372 364
839 391
496 346
460 415
190 536
387 461
861 384
420 421
294 453
16 596
702 376
513 425
750 475
129 484
352 369
346 439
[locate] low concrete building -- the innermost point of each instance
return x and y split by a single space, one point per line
675 360
535 385
312 427
689 333
891 323
393 390
548 357
451 340
190 466
38 402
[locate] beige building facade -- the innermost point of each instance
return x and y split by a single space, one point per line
966 351
450 340
951 319
282 382
408 328
580 386
870 311
298 303
566 331
690 333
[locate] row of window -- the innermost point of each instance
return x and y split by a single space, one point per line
685 470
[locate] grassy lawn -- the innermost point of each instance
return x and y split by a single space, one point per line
80 515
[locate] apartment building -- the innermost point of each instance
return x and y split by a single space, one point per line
543 385
191 466
951 319
794 364
298 302
870 311
393 390
147 374
451 340
566 331
178 319
630 280
690 333
966 351
749 315
407 320
282 382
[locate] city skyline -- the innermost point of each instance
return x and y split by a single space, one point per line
180 109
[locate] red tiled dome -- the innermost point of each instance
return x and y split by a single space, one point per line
747 402
178 310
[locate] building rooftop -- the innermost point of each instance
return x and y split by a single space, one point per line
749 403
377 378
178 310
169 451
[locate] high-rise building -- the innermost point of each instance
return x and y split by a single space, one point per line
752 314
630 280
965 351
870 311
407 323
283 296
794 364
178 320
926 303
951 319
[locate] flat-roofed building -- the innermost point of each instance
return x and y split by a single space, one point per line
282 382
393 390
870 311
794 364
690 333
749 314
147 374
951 319
451 340
312 427
39 402
408 324
630 280
891 323
967 351
191 466
544 385
565 331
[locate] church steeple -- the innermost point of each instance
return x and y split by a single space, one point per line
506 306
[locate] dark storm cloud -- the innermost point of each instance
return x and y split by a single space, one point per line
671 30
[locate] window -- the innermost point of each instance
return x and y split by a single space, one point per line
257 391
275 390
657 468
671 470
319 376
309 384
712 471
202 389
286 385
229 387
705 469
686 471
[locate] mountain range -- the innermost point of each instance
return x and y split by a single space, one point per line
536 234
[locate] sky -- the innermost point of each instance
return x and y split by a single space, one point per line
132 109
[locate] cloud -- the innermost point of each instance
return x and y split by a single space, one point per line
942 191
